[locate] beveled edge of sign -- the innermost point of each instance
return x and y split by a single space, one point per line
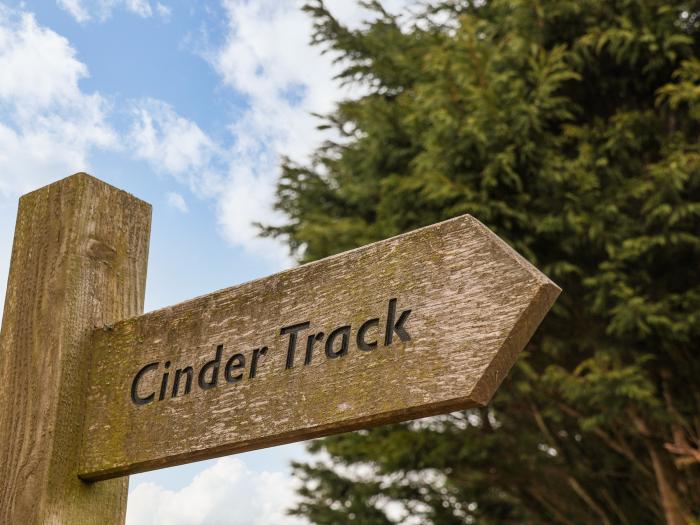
524 328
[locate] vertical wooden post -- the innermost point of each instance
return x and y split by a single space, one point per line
78 261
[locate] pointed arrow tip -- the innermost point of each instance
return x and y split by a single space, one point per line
523 329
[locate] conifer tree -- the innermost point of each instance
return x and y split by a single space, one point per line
572 129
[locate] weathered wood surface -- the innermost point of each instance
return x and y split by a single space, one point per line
474 303
78 262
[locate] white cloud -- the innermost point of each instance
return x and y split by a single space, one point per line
140 7
176 201
76 10
228 493
52 125
268 59
163 10
84 10
48 125
175 145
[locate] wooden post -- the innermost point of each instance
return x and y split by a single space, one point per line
79 261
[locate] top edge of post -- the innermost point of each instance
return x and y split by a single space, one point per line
90 179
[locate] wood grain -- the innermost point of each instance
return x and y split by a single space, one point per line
78 262
474 305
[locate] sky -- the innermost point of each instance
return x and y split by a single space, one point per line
188 105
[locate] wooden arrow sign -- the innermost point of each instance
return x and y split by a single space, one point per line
420 324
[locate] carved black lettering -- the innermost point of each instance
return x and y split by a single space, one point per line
310 346
164 382
212 365
336 345
138 400
237 362
397 326
344 332
293 331
257 354
362 343
187 371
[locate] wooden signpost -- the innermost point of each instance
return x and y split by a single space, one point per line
424 323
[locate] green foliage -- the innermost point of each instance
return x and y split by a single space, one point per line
571 128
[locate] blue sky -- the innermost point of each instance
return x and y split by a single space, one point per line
187 105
